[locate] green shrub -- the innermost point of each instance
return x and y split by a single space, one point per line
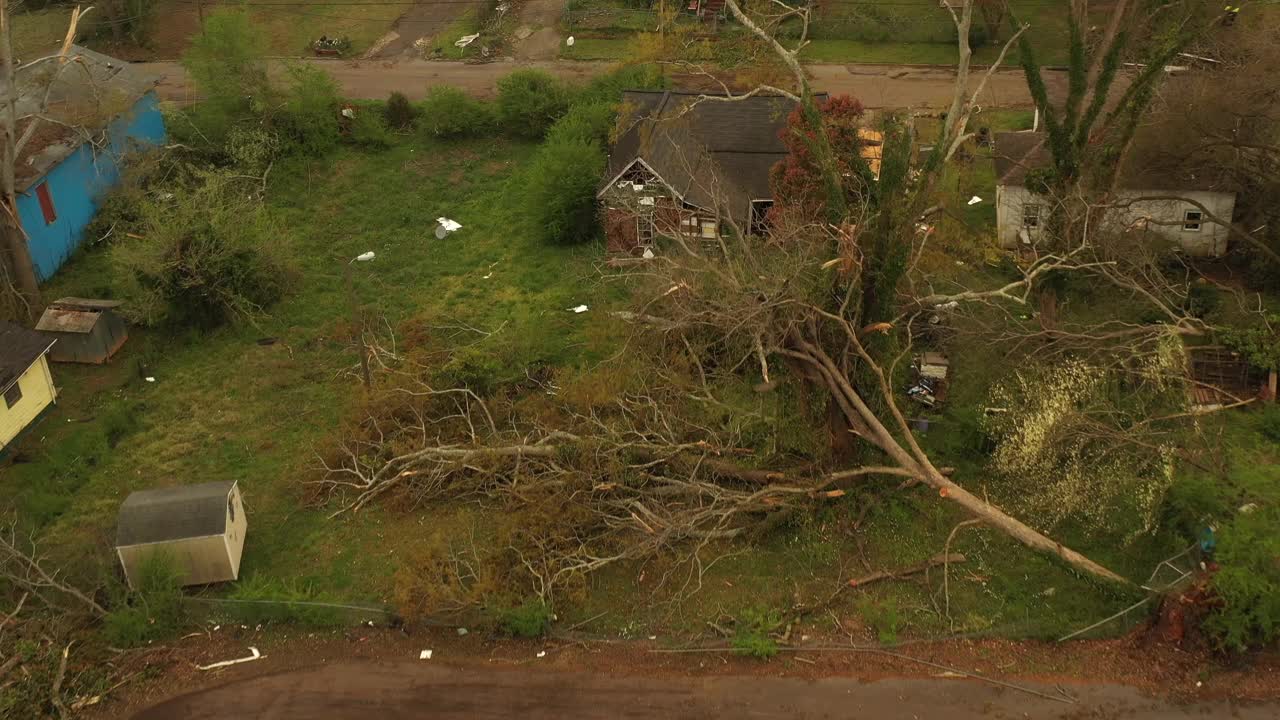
207 257
609 87
1269 423
1248 582
584 123
448 112
529 101
369 130
309 120
477 369
560 193
530 619
258 600
227 63
400 112
881 616
153 610
753 633
252 147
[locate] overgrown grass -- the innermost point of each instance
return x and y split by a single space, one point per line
225 406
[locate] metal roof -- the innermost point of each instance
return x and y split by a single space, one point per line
174 513
85 93
74 315
19 349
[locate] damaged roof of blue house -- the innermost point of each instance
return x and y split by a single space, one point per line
95 109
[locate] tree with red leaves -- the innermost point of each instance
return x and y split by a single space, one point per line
797 182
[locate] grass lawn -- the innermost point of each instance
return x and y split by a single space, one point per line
224 407
289 29
251 403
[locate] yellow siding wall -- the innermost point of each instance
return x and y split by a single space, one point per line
37 394
201 560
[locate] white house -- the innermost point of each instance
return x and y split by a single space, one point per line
1021 214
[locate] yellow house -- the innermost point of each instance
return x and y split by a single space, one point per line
25 381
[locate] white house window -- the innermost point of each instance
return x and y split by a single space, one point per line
1031 215
709 229
12 395
1191 220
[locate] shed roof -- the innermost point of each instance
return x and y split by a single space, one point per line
1017 153
174 513
707 151
19 348
74 315
85 93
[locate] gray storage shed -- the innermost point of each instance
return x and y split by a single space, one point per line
201 526
87 331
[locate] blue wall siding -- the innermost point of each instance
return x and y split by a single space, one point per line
78 183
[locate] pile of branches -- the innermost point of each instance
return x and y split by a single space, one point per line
627 479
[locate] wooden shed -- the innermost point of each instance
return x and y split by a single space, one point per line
87 331
201 526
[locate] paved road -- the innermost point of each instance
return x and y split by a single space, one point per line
399 691
878 86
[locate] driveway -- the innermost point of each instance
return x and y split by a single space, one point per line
401 690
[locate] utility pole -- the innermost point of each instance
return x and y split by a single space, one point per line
357 317
20 278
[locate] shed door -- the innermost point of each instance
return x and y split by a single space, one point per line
46 203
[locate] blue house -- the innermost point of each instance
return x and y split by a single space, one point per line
96 110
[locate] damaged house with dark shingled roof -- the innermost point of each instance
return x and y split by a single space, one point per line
684 165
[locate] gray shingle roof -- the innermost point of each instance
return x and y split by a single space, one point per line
87 91
19 348
1015 153
712 153
186 511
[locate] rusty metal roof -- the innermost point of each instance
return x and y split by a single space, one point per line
74 315
56 319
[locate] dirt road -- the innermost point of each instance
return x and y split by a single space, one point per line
878 86
538 26
391 691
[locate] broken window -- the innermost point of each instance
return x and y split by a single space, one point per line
12 395
760 217
1191 220
1031 215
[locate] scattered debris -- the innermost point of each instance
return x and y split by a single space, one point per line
424 655
348 112
366 256
912 570
444 226
255 656
150 379
648 254
932 371
578 309
462 631
975 200
542 653
466 40
569 41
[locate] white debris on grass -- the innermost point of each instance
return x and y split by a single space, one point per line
578 309
975 200
466 40
424 655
